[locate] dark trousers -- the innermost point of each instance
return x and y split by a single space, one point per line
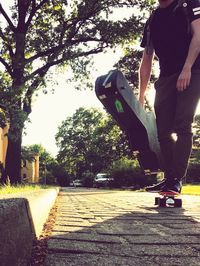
174 114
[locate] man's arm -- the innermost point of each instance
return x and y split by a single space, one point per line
145 73
194 50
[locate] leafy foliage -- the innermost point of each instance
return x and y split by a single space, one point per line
45 156
127 172
193 173
3 120
61 175
89 140
38 35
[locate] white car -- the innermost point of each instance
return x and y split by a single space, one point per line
102 180
77 183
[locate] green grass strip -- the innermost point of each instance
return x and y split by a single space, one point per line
8 189
191 190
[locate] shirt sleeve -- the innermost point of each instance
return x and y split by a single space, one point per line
143 43
193 9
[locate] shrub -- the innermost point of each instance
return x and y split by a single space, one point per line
61 176
87 179
47 179
126 172
193 173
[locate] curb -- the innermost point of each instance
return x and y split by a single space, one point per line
22 217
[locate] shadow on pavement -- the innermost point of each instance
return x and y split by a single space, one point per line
122 228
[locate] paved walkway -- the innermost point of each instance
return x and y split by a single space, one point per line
102 227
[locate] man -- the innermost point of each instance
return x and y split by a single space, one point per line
173 34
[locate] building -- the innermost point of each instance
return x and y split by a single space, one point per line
30 170
3 141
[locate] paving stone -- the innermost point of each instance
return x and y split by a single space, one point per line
170 239
96 259
102 227
82 246
174 261
63 228
86 237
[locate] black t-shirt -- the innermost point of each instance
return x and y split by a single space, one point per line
170 36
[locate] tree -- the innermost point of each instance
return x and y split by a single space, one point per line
61 175
196 128
37 35
89 141
193 173
45 156
50 170
127 172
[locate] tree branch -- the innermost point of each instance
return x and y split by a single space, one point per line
65 57
41 4
8 68
61 47
34 10
32 13
7 18
6 43
31 89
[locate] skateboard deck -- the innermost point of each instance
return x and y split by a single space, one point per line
139 126
168 199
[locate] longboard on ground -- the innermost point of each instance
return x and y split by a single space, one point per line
168 199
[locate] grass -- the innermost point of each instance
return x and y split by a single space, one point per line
8 189
186 189
191 190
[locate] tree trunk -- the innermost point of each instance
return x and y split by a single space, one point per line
13 160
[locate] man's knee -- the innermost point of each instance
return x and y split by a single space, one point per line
183 130
165 137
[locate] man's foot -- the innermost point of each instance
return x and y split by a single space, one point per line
174 186
157 187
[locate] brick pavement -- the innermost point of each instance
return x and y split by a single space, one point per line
103 227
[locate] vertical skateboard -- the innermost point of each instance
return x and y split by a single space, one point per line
168 199
139 126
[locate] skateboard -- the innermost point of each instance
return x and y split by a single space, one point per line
168 199
139 126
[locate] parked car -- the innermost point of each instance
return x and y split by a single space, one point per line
102 180
77 183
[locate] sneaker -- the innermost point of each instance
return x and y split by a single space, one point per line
157 187
174 186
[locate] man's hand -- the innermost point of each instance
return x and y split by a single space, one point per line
183 79
194 50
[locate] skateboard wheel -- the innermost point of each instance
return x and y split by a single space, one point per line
178 203
162 202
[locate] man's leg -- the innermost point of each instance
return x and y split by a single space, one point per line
165 107
175 112
185 110
187 102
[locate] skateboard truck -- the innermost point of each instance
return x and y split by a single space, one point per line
168 199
